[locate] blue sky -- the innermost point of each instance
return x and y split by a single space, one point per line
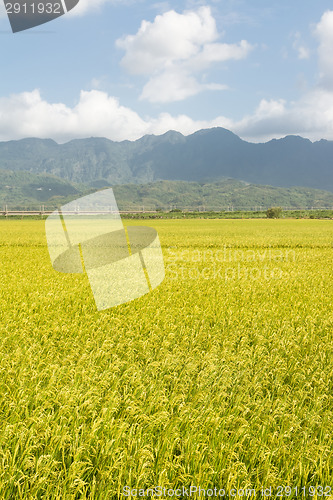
121 69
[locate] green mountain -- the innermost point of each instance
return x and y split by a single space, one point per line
23 189
227 194
206 156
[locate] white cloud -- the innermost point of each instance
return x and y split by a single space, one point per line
302 51
172 37
220 52
100 115
86 6
96 114
172 49
324 32
175 85
96 83
311 116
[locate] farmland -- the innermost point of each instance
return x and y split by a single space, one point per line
220 377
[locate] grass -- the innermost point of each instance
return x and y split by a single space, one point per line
220 377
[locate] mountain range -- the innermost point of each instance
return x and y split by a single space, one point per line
205 156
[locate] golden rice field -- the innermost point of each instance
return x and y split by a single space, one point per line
219 378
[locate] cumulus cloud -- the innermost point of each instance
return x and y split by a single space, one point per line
172 49
95 115
175 85
324 33
311 116
171 37
98 114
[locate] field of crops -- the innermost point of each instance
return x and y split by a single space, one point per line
220 378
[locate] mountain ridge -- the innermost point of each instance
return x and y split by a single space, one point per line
205 155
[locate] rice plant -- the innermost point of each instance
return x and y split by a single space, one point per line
219 378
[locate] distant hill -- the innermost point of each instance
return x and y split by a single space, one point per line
23 189
226 194
205 156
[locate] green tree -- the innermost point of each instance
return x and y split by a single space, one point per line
274 212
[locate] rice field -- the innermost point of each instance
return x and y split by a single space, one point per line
219 378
